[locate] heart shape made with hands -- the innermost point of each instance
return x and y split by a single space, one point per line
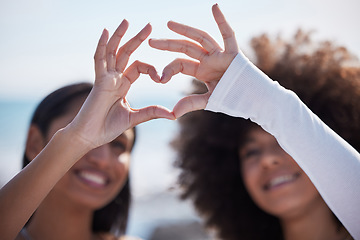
171 95
208 63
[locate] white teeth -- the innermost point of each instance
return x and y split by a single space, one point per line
280 180
93 177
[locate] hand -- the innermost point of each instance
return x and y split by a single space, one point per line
106 113
212 60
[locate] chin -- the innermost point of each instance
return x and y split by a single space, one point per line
286 210
292 207
90 200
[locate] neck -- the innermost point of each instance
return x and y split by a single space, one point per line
56 219
315 223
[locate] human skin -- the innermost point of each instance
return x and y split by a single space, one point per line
97 177
90 184
208 60
104 116
207 57
273 179
281 188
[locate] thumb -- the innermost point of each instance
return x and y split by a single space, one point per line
141 115
191 103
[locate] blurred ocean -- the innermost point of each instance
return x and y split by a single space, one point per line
156 209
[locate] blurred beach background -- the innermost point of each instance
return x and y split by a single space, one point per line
46 44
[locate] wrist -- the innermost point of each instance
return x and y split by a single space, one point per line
76 145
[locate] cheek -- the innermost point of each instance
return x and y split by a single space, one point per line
124 159
250 175
306 188
120 171
121 167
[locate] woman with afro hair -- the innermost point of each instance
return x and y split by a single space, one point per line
270 159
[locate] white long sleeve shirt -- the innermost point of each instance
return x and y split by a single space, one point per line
330 162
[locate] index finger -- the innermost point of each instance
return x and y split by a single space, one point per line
195 34
128 48
113 44
226 31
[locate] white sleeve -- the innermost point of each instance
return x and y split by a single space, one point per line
329 161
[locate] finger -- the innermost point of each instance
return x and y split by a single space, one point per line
191 103
133 71
182 46
227 32
148 113
100 55
128 48
185 66
195 34
113 44
179 65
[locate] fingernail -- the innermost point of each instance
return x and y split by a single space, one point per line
104 33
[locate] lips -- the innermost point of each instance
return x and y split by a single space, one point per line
281 180
93 178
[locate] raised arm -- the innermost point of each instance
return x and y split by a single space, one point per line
104 116
244 91
106 113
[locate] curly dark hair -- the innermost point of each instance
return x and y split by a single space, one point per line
324 76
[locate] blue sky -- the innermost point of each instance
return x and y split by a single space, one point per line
46 44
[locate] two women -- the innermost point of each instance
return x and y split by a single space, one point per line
243 91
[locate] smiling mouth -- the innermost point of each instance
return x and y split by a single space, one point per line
281 180
93 179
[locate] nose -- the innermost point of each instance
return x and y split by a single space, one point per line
271 157
101 156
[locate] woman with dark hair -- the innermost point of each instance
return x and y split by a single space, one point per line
113 216
241 180
78 153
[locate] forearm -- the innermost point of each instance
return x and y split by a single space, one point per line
330 162
20 197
